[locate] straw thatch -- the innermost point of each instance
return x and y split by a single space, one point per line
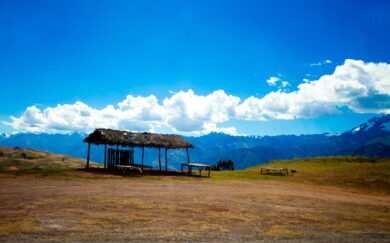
137 139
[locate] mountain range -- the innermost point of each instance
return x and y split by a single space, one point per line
369 139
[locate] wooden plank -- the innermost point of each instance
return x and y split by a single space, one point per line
199 166
188 156
89 151
124 167
268 170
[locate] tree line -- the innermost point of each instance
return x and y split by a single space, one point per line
223 165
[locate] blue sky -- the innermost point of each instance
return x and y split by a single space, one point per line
99 52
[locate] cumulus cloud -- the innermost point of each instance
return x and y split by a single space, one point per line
81 117
361 87
183 112
358 86
187 111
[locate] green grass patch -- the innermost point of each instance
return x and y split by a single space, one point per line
345 171
341 171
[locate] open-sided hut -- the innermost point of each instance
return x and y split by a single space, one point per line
110 137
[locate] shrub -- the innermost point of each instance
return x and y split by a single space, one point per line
224 165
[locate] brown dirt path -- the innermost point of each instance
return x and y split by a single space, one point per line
141 209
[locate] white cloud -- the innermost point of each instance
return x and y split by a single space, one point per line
316 64
274 80
320 63
361 87
187 111
183 112
285 84
142 108
271 81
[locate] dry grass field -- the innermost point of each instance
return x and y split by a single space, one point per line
329 199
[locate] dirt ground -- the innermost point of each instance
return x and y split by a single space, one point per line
115 208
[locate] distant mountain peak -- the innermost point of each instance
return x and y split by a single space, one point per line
371 138
380 123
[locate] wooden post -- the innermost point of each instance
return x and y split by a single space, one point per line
143 152
109 164
117 155
105 156
132 155
159 157
89 151
188 156
166 159
108 158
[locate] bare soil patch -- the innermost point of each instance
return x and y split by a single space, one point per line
112 207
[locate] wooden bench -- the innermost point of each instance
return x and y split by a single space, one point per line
124 168
268 170
199 166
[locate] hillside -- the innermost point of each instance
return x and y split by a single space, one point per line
354 172
20 159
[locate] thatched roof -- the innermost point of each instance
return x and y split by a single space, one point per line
137 139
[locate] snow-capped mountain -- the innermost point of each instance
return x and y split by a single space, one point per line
376 125
371 138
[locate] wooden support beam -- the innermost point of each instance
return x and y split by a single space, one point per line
132 155
166 159
108 158
105 156
188 156
143 152
117 155
159 157
89 151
